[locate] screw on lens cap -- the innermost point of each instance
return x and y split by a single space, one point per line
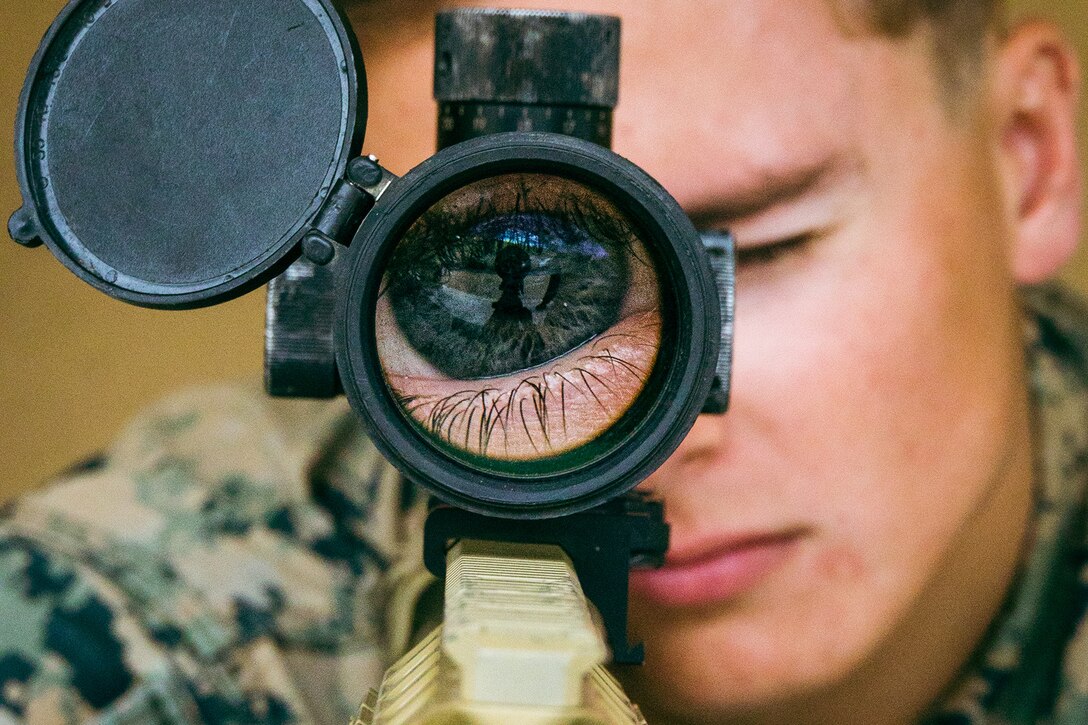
527 56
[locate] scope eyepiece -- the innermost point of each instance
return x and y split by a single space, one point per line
528 324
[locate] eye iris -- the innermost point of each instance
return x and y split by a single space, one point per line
506 292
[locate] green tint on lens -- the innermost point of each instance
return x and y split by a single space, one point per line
519 319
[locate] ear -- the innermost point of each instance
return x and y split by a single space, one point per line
1036 89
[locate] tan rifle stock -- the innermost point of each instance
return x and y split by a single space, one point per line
519 645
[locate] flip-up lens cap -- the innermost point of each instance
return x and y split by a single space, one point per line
173 153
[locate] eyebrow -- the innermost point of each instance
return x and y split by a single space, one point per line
767 190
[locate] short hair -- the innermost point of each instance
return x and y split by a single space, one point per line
960 31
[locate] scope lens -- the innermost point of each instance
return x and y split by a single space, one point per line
519 319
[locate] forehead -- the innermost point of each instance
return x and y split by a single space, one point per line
721 45
725 94
763 82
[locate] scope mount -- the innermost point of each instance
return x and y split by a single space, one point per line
604 543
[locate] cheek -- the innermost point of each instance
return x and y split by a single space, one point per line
884 368
883 376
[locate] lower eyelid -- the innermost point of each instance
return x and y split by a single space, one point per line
584 395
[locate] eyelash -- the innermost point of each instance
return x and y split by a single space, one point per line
767 254
490 408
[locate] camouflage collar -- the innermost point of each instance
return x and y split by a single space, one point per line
1019 674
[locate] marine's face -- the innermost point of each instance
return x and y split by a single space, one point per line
878 434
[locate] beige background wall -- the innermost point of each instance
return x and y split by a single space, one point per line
74 364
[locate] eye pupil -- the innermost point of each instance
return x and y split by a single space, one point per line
512 264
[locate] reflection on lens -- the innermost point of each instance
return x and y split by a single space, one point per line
519 318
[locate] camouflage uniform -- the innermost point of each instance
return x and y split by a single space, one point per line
240 559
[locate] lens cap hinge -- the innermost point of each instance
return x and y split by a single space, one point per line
370 176
351 199
721 249
300 354
23 228
365 171
337 221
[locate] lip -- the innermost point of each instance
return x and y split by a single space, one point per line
715 573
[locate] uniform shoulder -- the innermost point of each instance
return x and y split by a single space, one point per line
1060 386
219 525
1072 706
201 465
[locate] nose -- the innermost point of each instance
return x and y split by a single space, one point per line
706 440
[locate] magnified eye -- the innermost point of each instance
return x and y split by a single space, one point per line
519 318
